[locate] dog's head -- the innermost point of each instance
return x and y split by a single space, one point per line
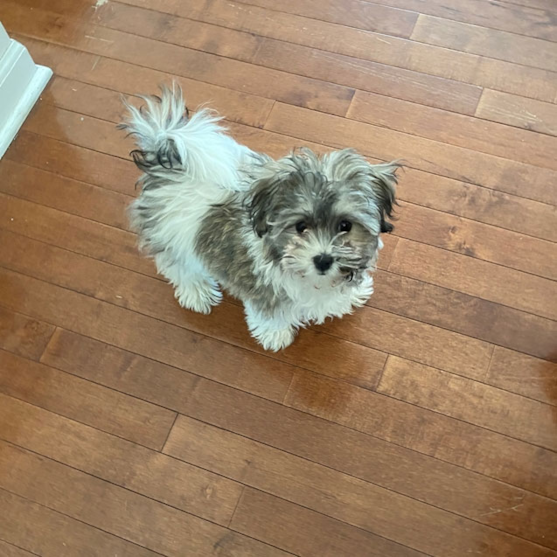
321 217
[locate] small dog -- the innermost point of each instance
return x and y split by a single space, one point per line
295 239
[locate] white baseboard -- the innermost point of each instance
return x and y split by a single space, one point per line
21 83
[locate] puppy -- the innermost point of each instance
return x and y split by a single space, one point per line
295 239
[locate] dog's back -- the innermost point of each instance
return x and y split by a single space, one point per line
189 164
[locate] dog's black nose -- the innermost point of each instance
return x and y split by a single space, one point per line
323 262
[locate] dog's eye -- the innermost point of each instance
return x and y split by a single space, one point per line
301 227
345 226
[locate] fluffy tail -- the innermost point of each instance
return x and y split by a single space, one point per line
171 144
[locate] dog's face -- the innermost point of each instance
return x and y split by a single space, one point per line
320 217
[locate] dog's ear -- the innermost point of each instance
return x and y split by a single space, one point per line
384 181
378 181
261 203
269 194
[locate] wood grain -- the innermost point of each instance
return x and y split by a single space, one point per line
466 445
486 42
292 527
22 335
420 153
478 203
361 15
121 462
517 111
478 240
184 62
501 15
311 485
343 61
157 340
130 79
509 370
454 129
69 196
156 526
466 314
93 238
43 531
74 162
9 550
471 276
371 459
64 394
470 401
375 47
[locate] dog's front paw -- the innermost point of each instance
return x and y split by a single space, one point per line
199 297
275 340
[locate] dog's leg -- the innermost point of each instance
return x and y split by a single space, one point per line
193 287
273 332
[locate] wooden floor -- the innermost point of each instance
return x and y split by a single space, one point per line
425 424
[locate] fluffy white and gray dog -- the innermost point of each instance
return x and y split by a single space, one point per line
295 239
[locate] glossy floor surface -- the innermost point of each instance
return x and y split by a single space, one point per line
424 424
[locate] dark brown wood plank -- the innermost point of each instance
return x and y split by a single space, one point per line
69 396
341 63
157 527
446 438
470 401
455 129
70 196
42 531
477 278
486 42
98 240
210 68
478 240
9 550
347 498
120 462
518 111
82 131
393 467
307 533
423 154
131 79
74 162
22 335
500 15
525 375
466 314
361 15
478 203
374 47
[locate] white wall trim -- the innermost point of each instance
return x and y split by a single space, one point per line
21 83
